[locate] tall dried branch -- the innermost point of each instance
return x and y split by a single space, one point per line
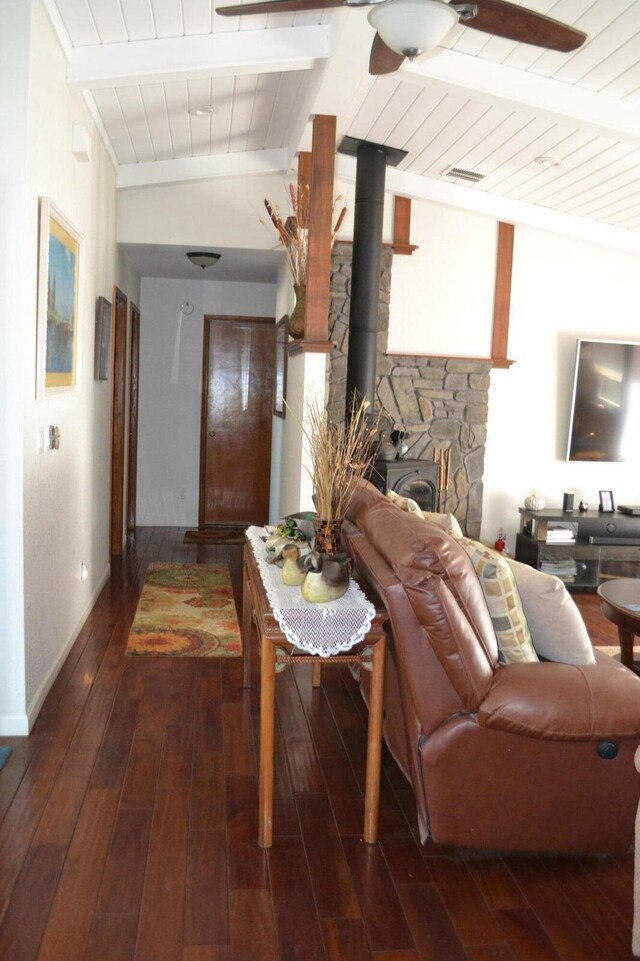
340 454
293 231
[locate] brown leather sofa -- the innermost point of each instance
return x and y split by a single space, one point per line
521 757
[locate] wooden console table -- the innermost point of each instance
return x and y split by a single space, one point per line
256 608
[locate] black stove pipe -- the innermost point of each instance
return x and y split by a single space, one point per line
365 275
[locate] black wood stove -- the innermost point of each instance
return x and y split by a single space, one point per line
417 479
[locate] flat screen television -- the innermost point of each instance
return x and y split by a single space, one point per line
605 409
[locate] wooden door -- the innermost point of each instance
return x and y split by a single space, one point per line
132 470
118 421
235 445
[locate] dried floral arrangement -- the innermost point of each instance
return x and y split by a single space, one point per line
341 453
293 232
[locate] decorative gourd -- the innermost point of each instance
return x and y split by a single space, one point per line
534 502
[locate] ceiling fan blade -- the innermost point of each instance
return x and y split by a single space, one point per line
382 58
277 6
525 26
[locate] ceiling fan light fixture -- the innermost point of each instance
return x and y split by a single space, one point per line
411 27
203 258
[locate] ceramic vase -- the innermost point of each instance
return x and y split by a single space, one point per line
327 540
295 320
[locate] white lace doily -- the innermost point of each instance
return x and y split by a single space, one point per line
323 629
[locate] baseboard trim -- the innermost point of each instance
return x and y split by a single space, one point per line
14 725
38 699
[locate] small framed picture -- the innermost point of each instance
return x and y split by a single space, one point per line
60 282
606 502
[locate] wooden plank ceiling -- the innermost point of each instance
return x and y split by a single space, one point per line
482 104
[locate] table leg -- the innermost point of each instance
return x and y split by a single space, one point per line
625 637
267 711
247 618
374 744
316 677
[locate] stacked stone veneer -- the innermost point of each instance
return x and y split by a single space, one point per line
440 402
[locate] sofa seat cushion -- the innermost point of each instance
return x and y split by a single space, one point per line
555 623
564 701
503 600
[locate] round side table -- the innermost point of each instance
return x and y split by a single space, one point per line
620 603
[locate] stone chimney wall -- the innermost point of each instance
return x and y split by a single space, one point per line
440 402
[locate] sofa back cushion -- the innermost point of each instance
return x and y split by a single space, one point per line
450 634
410 543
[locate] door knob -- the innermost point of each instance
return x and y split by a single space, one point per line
212 433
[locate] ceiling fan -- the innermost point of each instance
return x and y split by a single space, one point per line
407 28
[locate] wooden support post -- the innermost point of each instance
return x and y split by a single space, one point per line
502 298
316 324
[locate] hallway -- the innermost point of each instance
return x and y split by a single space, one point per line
129 823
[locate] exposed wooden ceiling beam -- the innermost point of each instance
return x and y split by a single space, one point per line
202 168
245 52
494 83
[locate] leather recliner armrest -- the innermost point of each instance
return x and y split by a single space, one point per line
563 701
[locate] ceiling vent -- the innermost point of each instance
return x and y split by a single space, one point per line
469 176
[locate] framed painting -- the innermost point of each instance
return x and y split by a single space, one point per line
59 289
102 354
280 374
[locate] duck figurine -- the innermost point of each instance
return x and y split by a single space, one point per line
293 573
327 577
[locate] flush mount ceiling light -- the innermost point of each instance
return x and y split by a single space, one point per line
203 258
549 162
412 27
203 110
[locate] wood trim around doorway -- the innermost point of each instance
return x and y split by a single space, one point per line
118 413
132 464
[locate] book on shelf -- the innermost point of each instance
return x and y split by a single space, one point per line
564 568
560 535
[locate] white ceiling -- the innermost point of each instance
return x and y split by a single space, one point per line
480 103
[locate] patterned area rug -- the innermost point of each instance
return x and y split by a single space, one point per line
186 610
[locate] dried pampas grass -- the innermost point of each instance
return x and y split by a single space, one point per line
341 453
293 232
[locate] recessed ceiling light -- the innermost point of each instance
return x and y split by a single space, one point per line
203 110
549 162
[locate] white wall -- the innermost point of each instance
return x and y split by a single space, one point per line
562 289
66 492
225 212
171 385
15 305
442 295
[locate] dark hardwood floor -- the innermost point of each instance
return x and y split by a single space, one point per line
129 824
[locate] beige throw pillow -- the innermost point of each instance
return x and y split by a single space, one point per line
503 600
557 629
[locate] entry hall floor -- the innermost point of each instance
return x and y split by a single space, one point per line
128 823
